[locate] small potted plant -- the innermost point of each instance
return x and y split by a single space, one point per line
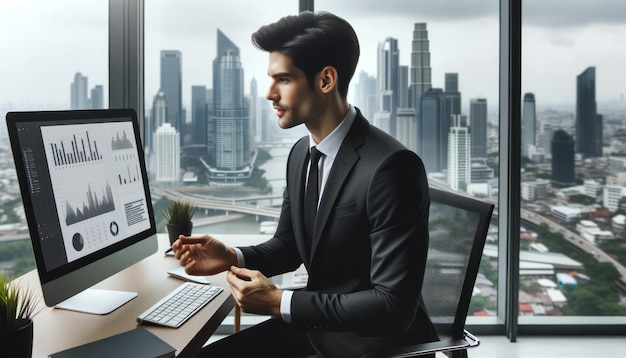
17 305
178 214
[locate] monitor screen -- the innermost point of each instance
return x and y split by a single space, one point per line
85 192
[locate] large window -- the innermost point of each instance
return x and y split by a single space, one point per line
572 247
428 75
54 57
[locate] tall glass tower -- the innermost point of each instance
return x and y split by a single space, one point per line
78 89
452 107
96 99
158 116
588 122
563 161
459 162
199 115
230 111
406 128
529 120
365 95
430 128
171 86
388 63
403 87
478 127
420 72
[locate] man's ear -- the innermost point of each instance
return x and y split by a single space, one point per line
327 79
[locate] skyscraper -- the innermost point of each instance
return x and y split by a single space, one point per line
96 99
158 117
199 116
459 147
452 107
230 112
382 121
403 87
78 92
588 123
388 62
365 95
159 110
210 126
254 112
544 137
420 72
430 127
563 173
167 148
171 85
529 120
193 133
478 127
452 94
406 128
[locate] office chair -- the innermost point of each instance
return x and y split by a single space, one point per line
458 228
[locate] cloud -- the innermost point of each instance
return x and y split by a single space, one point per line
561 40
417 10
540 13
572 13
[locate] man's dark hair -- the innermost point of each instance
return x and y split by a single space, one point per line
313 41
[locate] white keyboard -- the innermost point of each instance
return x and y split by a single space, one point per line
175 308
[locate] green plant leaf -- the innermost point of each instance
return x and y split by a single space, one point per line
179 211
17 304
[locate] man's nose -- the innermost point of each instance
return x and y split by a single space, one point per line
272 94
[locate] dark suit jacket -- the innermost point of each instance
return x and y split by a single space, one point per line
369 246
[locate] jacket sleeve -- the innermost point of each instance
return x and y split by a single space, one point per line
279 254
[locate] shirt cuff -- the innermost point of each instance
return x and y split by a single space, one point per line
241 261
285 306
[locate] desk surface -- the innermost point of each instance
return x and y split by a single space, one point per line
58 329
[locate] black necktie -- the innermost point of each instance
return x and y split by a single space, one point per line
312 194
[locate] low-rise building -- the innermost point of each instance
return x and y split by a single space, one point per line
536 190
590 231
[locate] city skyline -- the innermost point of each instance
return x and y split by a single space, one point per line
463 39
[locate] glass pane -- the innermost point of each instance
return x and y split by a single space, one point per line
209 129
428 75
54 57
572 250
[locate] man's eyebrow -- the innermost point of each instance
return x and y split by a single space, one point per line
282 74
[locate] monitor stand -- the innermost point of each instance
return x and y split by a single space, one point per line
96 301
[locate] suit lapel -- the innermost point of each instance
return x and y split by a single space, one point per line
346 158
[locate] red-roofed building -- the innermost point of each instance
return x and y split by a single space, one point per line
526 309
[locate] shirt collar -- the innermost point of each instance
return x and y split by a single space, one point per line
331 144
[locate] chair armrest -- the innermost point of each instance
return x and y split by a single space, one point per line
416 350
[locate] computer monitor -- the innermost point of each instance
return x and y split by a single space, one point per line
86 198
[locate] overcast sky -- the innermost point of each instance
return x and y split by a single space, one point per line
43 43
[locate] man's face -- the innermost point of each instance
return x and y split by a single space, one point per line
294 100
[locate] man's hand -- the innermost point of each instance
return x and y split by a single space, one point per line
254 292
203 255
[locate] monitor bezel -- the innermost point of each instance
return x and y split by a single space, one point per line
73 277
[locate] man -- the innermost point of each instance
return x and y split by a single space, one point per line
365 248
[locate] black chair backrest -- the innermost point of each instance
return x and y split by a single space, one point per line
458 227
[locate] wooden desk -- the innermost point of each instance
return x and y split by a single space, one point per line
58 329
